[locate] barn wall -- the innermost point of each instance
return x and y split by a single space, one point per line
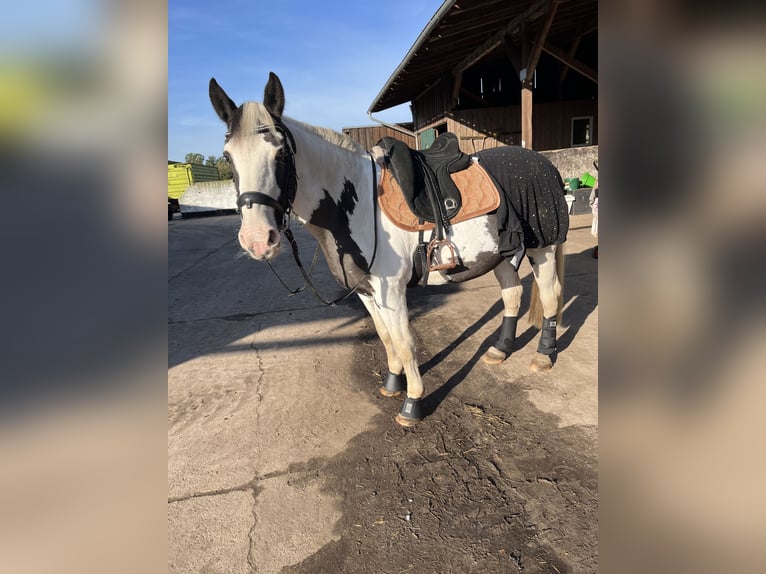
484 128
368 136
432 105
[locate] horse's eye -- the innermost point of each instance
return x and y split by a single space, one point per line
226 136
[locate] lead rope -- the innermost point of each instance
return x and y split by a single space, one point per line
307 276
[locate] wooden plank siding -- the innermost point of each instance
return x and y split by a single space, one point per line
432 104
482 128
368 136
485 128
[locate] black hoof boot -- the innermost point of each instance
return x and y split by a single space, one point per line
393 385
503 347
547 345
411 413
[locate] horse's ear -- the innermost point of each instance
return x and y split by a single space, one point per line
274 96
222 104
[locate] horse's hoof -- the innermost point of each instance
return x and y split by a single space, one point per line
393 385
494 356
386 393
540 363
411 413
405 422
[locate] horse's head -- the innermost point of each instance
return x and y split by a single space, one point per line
261 152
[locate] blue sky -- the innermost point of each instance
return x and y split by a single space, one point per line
332 57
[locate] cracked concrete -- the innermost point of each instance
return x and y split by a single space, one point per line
264 389
306 517
246 403
215 544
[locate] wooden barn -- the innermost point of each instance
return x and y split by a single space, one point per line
368 136
502 72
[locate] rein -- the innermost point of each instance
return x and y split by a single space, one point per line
307 282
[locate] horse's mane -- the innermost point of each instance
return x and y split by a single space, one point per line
255 115
340 140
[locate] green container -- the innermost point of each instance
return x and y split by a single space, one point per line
588 180
573 182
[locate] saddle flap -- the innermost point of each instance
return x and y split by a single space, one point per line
424 176
476 186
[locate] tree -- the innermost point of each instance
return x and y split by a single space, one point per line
224 168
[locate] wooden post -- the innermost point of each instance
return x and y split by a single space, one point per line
526 115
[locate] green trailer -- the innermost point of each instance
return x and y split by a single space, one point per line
181 176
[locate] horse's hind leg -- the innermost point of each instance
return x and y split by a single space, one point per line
510 290
547 267
395 382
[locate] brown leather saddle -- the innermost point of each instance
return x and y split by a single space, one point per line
478 193
433 189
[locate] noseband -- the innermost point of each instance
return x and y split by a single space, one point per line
287 179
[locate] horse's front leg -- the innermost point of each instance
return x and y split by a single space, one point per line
394 383
389 309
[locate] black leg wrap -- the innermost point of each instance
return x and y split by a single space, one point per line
411 409
507 335
394 383
547 344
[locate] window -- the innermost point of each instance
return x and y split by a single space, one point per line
582 131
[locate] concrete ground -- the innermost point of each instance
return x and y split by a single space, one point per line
282 455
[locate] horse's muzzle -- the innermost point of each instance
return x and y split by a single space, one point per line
261 246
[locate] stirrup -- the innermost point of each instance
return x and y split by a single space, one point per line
440 243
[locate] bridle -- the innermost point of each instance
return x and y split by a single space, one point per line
287 180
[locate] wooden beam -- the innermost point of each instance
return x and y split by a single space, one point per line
496 39
582 31
514 55
573 63
427 88
525 51
570 56
456 83
473 97
542 36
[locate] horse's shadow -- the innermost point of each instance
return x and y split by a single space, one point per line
580 300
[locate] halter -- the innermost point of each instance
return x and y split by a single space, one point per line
287 179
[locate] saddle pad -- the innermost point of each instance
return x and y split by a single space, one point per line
476 187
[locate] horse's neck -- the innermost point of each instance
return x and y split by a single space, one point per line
327 171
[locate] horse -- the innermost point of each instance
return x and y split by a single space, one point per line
329 183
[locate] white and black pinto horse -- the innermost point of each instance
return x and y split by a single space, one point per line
329 182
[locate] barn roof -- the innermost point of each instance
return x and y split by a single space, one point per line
462 32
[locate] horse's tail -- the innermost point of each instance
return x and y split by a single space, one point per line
536 306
